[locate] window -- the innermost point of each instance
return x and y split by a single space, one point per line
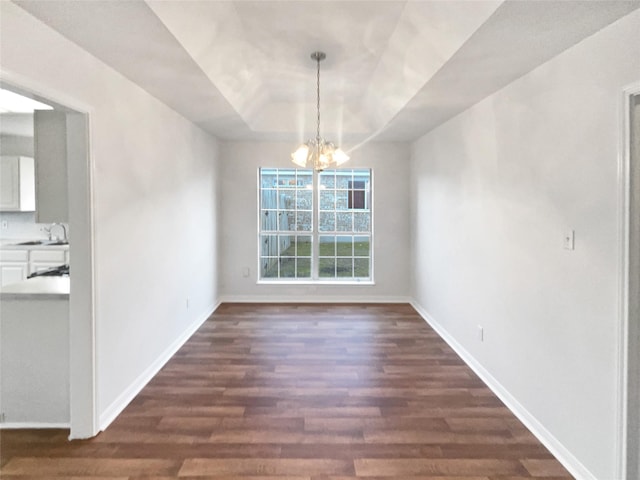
315 226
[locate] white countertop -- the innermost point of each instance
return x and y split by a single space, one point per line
14 244
37 288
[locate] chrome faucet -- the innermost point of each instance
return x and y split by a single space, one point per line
52 226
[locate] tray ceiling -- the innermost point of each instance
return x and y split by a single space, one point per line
394 69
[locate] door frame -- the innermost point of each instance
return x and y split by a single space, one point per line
628 346
83 409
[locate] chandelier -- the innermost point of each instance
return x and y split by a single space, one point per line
317 152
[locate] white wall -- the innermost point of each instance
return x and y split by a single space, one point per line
493 192
155 205
240 163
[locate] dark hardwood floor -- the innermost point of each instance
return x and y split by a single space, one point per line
300 392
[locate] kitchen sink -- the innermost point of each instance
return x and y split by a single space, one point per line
44 242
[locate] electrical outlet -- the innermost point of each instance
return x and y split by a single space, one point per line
5 224
245 272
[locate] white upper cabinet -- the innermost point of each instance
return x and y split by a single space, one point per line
17 184
50 144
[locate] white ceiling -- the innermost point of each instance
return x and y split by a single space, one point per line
394 69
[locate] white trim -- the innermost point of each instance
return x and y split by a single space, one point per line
33 425
562 454
314 299
120 403
622 326
314 233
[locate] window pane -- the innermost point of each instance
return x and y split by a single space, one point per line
361 246
269 245
327 222
361 268
344 246
362 221
327 246
303 269
304 221
327 267
344 267
357 199
286 178
305 180
287 221
344 221
342 200
362 176
287 246
287 267
269 177
327 200
327 179
343 179
269 268
286 200
303 246
304 199
269 220
269 199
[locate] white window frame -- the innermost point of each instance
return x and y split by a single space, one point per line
315 233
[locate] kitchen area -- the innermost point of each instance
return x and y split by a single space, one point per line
34 264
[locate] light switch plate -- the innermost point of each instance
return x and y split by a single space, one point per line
570 240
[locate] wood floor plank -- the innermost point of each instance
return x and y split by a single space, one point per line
300 392
51 467
266 466
411 467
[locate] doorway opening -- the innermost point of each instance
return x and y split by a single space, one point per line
631 283
76 185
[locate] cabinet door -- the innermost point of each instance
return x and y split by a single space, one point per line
9 184
12 273
17 184
50 146
46 258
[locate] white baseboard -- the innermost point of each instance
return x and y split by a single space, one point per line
33 425
313 299
120 403
564 456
